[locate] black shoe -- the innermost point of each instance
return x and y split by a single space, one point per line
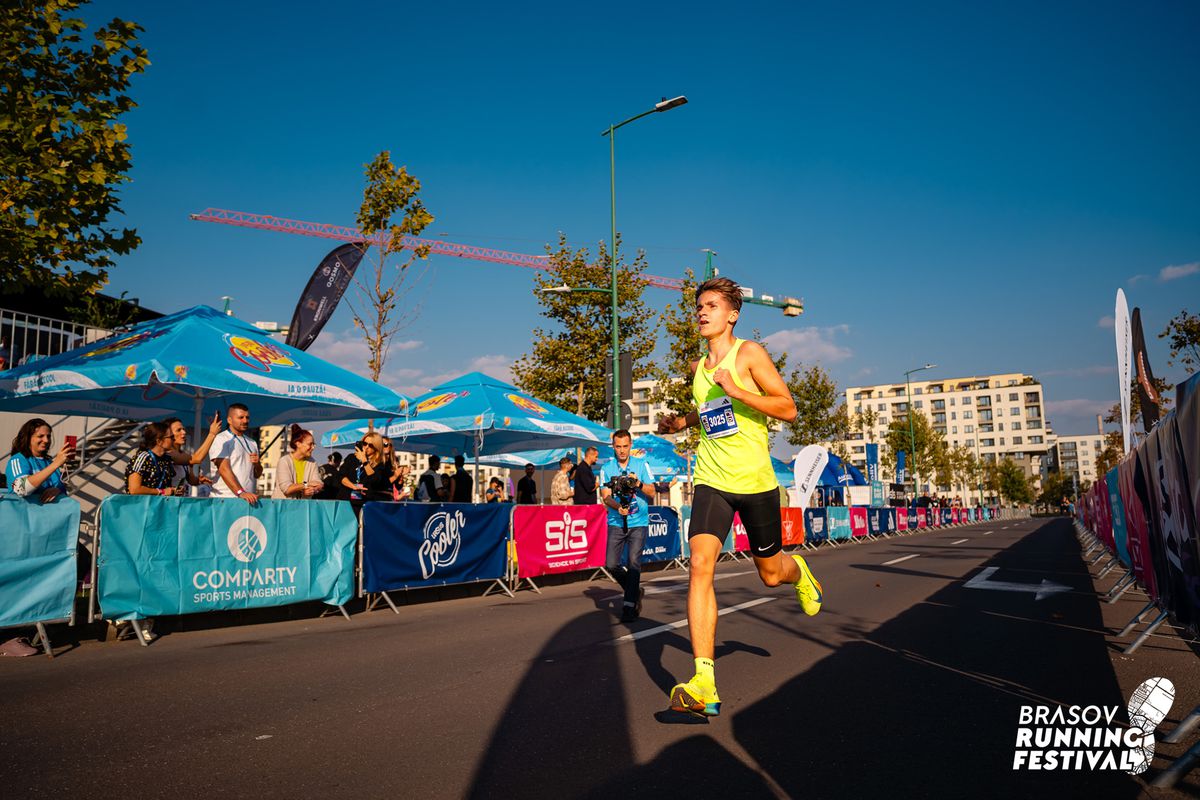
629 614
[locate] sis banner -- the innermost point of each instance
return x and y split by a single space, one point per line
793 526
409 545
662 538
555 539
858 521
37 559
179 555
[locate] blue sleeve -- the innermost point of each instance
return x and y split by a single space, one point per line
645 476
17 466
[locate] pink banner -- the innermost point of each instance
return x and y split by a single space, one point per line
858 521
552 539
902 519
959 519
922 520
741 542
793 526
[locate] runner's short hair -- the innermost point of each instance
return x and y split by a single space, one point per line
725 287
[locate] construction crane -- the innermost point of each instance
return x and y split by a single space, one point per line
791 306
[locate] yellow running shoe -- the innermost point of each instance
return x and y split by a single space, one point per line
696 697
808 589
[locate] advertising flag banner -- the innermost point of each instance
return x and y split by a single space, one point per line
793 526
1147 393
1124 340
556 539
409 545
872 462
178 555
901 470
662 537
858 521
810 463
323 293
37 559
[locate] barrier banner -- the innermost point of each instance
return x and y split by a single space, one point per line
685 523
1176 521
555 539
888 520
838 522
793 526
408 545
922 517
741 542
881 521
179 555
858 521
37 559
662 538
816 524
1137 532
947 516
1187 486
901 518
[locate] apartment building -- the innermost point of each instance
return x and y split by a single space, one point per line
998 416
645 411
1077 455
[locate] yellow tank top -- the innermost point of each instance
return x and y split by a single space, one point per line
735 448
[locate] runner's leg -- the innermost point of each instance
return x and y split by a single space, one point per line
702 598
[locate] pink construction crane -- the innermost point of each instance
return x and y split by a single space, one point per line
790 305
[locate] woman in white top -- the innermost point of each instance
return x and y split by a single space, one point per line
296 476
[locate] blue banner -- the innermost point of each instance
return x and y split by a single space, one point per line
1120 536
881 521
662 539
839 522
872 462
877 498
179 555
947 516
816 525
901 472
409 545
37 559
889 520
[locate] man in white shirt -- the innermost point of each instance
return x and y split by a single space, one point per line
234 456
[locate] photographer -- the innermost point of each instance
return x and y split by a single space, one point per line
627 488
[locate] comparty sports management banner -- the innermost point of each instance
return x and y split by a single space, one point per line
179 555
409 545
553 539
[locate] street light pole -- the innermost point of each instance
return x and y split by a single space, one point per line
912 437
611 133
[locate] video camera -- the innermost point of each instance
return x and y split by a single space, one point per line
624 487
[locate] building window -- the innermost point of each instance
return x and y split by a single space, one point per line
987 442
882 407
954 429
916 404
1001 441
953 415
986 428
1017 440
1032 398
951 401
966 415
917 390
1016 426
1013 397
966 401
939 419
1000 427
1035 440
985 414
968 429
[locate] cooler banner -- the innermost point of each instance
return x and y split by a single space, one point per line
901 519
555 539
793 526
37 559
816 524
858 521
182 555
922 517
662 538
409 545
839 522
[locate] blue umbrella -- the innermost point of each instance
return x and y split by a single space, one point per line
840 474
481 415
659 454
197 361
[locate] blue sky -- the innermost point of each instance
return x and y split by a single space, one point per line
964 184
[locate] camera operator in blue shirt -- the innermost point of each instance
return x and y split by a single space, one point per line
627 489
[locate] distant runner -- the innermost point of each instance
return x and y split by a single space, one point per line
736 389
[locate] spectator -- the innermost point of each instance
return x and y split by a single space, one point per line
495 492
182 460
527 488
151 470
297 475
444 490
403 484
236 468
350 476
377 470
561 493
329 476
461 483
31 474
396 475
585 478
427 484
5 355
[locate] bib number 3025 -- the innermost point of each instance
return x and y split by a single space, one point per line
717 418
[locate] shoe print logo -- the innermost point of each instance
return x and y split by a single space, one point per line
1148 706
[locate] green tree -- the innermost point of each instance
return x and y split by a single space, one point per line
1183 334
62 152
820 417
1055 487
928 454
1012 483
568 364
390 191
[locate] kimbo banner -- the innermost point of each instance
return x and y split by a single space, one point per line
409 545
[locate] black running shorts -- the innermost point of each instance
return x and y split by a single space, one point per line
712 512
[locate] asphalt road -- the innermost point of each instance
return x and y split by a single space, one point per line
908 684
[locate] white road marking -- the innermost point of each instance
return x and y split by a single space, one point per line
1044 589
683 585
632 637
960 541
901 558
987 533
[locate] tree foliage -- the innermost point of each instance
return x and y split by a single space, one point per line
62 152
390 191
569 360
1183 335
685 346
1055 487
928 454
1013 484
820 417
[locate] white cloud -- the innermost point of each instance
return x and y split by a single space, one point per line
1179 271
1136 279
1106 322
810 345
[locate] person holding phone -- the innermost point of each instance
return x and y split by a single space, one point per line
31 472
182 460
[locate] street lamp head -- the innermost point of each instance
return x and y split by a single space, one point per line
557 289
929 366
667 105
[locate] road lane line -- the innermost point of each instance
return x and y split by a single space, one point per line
632 637
960 541
987 533
898 560
682 586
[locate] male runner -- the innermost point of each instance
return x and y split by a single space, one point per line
736 389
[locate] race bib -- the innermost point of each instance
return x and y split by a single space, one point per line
717 418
